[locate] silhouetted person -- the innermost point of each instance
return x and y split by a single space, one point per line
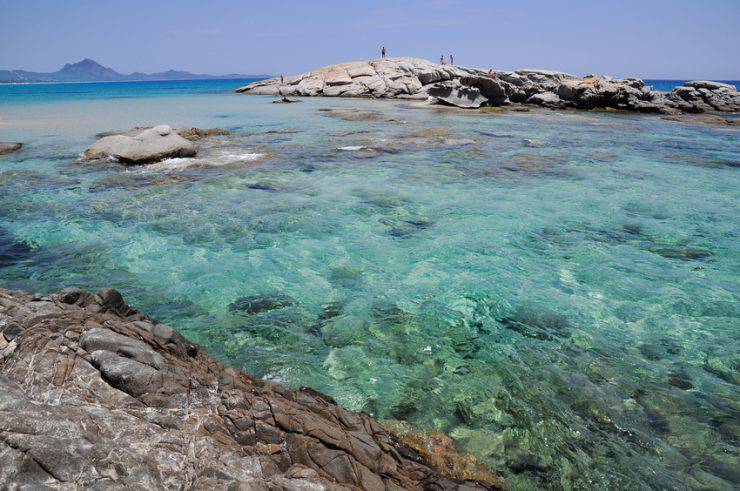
282 80
442 60
452 60
491 73
382 52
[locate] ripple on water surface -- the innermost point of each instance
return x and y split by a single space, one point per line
557 291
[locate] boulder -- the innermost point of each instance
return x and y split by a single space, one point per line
492 89
148 146
544 99
9 147
458 95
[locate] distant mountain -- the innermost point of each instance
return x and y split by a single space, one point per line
89 70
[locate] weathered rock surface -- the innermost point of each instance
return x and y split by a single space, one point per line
413 78
93 394
454 93
147 146
389 77
9 147
703 96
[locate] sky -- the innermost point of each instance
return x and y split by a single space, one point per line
673 39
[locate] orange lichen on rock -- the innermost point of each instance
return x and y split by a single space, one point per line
439 450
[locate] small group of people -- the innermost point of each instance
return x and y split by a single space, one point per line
442 61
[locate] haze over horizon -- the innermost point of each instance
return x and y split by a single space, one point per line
662 39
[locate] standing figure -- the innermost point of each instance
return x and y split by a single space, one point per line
382 52
442 60
490 73
282 80
452 60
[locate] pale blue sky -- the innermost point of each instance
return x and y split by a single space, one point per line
647 38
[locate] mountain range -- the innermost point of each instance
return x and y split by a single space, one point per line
89 70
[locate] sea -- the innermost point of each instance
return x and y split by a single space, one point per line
557 291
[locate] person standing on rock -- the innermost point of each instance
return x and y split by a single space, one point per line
282 80
382 52
442 60
452 60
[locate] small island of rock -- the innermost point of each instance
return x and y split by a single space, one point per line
414 78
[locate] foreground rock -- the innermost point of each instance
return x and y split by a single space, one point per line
414 78
9 147
93 394
144 147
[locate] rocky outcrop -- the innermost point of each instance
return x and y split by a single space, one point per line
704 96
94 394
145 147
9 147
389 77
471 88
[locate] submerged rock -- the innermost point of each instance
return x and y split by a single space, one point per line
148 146
93 392
9 147
286 100
198 133
254 304
12 251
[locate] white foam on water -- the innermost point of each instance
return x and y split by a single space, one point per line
174 163
351 148
243 157
209 161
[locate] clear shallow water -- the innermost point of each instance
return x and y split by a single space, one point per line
567 311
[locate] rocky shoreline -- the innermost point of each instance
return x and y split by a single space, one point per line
95 394
413 78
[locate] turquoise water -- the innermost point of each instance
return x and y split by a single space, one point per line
558 291
668 85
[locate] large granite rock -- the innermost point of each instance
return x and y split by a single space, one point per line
149 145
96 395
704 96
604 92
389 77
472 88
9 147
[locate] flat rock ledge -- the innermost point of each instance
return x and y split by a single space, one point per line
94 394
413 78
